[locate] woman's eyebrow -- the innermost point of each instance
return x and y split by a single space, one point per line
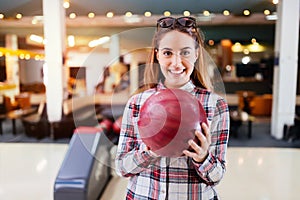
186 48
170 49
166 48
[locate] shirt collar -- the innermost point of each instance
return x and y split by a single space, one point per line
189 86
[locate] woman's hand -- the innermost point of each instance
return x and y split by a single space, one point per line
200 152
151 152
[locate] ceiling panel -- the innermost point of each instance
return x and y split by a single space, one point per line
157 7
236 26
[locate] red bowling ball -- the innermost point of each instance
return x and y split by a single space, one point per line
168 120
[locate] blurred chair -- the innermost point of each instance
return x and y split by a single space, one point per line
2 116
37 124
23 100
246 100
8 104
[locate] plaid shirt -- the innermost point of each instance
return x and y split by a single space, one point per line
179 178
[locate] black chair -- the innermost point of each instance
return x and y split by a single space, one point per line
2 117
85 116
37 124
292 132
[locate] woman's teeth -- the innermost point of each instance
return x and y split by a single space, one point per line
176 71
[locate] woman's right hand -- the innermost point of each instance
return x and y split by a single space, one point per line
151 152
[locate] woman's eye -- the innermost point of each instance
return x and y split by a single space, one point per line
185 53
167 53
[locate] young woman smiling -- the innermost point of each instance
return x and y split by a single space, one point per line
176 61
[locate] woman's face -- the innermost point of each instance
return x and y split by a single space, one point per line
176 55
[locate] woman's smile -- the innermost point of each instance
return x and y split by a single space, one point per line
177 71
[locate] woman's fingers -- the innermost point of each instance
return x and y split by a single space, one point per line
200 150
194 145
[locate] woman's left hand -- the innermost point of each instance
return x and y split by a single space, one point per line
200 151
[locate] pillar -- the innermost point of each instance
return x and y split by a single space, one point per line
134 76
226 57
12 62
54 32
285 69
114 48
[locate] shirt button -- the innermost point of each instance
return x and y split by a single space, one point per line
163 191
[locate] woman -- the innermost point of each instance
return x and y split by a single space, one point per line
176 61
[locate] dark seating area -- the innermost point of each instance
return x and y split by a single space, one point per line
37 125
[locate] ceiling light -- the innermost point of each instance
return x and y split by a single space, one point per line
237 47
246 51
91 15
19 16
1 16
167 13
36 38
128 14
19 52
27 57
186 13
246 12
147 14
253 40
109 14
99 41
66 4
226 12
71 40
267 12
256 47
246 60
37 57
72 15
275 1
206 13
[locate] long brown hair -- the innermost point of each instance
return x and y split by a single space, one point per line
199 76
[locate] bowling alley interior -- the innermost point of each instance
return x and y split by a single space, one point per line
68 68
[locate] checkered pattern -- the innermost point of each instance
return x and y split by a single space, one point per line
153 177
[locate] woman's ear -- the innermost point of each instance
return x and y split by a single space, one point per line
156 53
197 53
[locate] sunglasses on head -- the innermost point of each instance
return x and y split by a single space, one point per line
167 22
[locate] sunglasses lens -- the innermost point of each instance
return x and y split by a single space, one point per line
186 22
166 22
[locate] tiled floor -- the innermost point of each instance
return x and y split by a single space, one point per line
28 171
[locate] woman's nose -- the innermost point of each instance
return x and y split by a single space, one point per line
176 59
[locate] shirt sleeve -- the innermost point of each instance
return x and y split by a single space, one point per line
212 169
132 155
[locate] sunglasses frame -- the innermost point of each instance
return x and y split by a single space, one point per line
176 21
